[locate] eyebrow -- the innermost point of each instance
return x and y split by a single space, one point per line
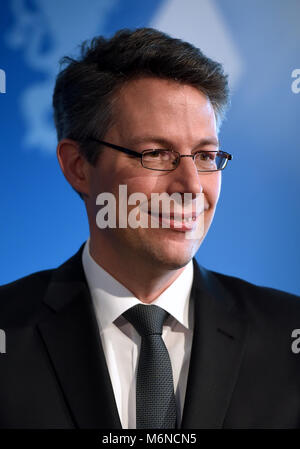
210 140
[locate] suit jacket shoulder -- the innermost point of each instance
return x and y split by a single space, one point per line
21 300
253 300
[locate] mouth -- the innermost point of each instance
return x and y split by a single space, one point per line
178 222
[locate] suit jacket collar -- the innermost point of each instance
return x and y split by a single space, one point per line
217 350
72 339
71 336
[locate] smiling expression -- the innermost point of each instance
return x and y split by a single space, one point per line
156 113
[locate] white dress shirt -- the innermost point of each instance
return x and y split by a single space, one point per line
121 342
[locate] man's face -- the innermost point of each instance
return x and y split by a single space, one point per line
155 113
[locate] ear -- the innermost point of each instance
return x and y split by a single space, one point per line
74 166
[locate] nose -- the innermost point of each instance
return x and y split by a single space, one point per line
186 178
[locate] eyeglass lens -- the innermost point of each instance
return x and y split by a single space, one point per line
168 160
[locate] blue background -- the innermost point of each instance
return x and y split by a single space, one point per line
255 234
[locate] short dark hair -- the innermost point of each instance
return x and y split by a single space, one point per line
87 87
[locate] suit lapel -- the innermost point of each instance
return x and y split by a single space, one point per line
73 343
217 350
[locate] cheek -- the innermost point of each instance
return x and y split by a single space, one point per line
212 189
144 184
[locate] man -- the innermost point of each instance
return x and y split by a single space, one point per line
131 332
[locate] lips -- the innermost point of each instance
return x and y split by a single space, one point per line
178 222
184 216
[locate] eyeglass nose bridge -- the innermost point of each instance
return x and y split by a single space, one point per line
187 155
179 156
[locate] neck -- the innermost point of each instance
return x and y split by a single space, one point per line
144 279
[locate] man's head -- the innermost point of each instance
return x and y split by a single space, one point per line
87 89
141 89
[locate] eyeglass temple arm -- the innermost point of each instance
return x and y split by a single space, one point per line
135 153
116 147
228 156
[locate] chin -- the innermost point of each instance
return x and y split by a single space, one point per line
172 258
174 263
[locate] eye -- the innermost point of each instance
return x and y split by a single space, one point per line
206 155
154 153
159 154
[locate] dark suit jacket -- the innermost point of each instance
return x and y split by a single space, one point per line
243 373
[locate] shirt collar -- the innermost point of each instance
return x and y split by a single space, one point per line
111 299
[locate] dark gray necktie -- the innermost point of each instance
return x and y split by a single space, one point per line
155 399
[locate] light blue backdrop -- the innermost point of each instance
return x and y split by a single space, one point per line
256 233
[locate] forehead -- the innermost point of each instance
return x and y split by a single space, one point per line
160 106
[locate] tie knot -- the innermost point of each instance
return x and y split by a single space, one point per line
147 320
